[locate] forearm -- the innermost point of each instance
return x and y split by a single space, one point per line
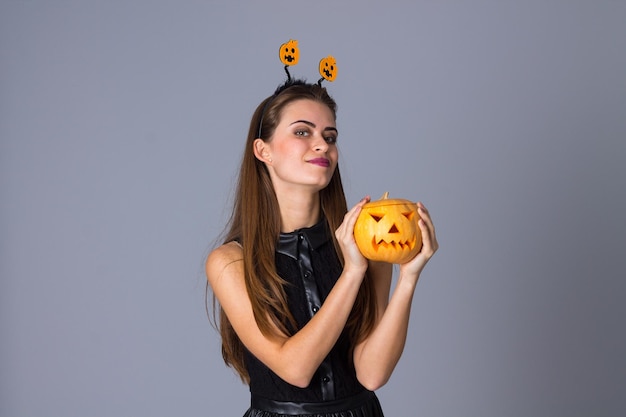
376 357
301 354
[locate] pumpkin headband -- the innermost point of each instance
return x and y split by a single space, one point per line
289 54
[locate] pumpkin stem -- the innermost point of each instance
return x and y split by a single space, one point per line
384 197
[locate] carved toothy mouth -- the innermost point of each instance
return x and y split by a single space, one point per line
405 246
289 58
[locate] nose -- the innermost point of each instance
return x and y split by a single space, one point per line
320 144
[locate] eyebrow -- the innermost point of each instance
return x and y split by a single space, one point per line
306 122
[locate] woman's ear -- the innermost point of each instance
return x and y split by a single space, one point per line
261 151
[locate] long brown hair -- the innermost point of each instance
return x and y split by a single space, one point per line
255 223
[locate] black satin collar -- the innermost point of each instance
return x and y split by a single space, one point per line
315 236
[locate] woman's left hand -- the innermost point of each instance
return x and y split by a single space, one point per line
429 244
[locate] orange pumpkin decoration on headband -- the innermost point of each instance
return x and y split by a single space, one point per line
289 52
387 230
328 68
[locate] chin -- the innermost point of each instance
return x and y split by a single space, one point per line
319 185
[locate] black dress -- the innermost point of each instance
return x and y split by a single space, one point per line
307 260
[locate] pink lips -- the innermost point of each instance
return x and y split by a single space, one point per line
323 162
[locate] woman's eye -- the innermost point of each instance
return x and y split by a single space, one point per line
301 133
331 139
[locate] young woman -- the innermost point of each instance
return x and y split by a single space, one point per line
305 319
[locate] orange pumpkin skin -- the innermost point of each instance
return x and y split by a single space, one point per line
387 230
328 68
289 53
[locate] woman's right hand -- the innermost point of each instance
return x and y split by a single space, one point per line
353 259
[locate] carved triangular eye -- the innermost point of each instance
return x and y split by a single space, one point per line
409 214
376 217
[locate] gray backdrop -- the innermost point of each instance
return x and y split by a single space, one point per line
122 124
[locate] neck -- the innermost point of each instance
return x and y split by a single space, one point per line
298 210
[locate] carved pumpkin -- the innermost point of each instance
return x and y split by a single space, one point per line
328 68
289 52
387 230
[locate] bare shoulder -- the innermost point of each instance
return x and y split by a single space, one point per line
226 259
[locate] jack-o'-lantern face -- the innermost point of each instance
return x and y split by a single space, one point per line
289 53
328 68
387 230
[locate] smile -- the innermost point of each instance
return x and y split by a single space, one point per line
323 162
